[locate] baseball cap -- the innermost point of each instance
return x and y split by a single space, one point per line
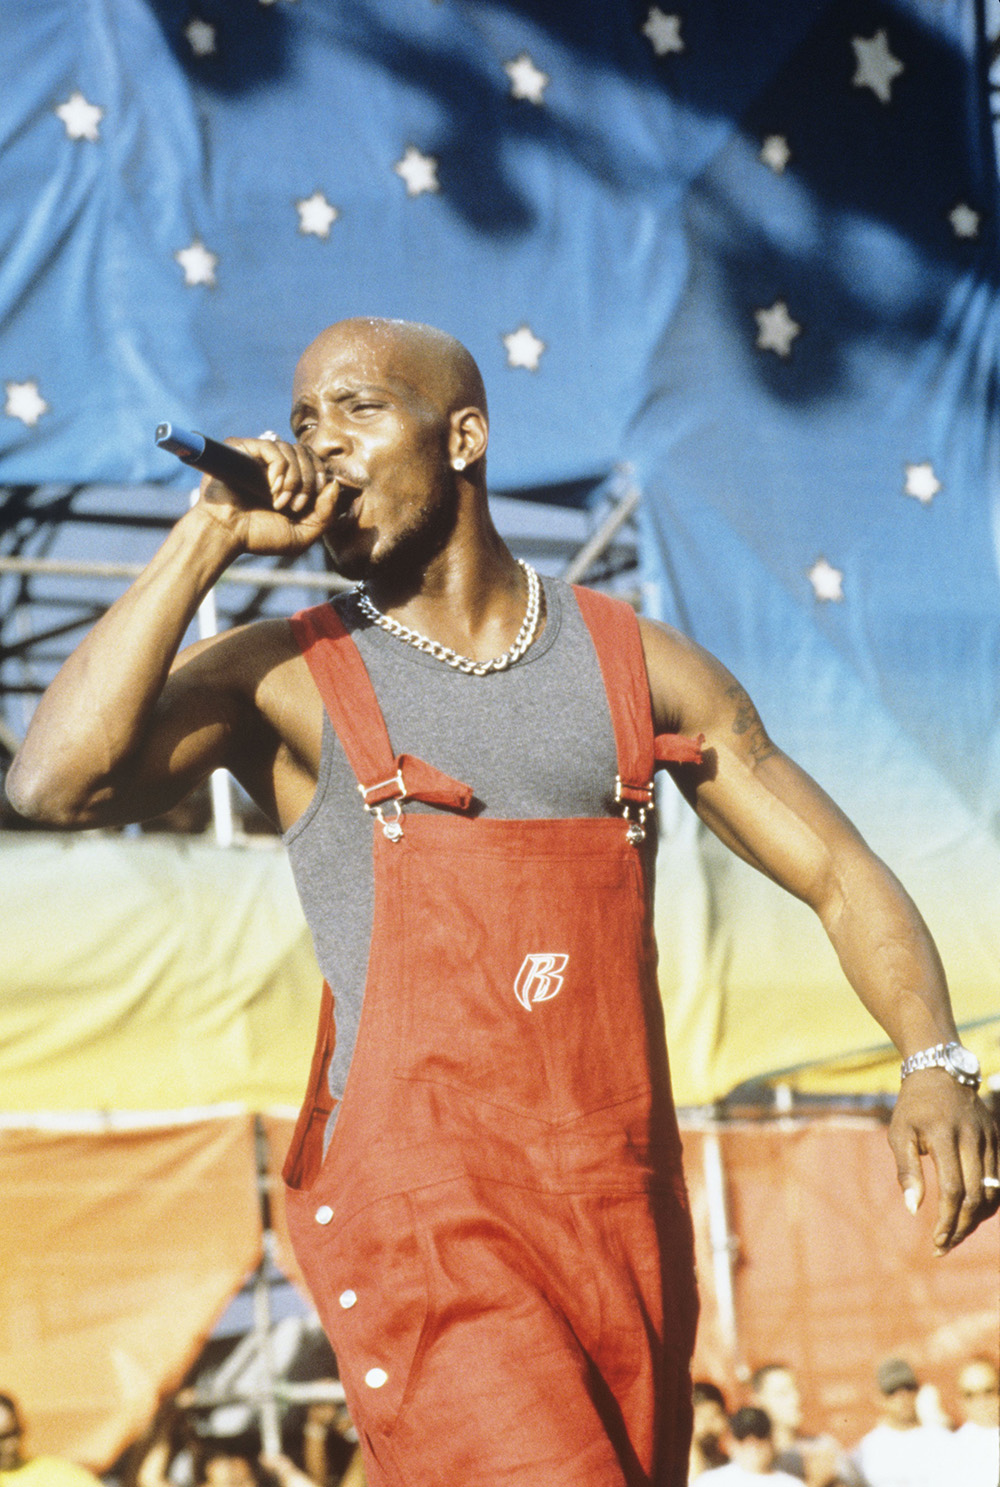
895 1373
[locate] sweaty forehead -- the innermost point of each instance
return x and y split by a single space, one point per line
390 353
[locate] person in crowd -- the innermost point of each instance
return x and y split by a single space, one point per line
817 1460
899 1451
486 899
975 1446
751 1447
330 1446
20 1470
224 1463
710 1424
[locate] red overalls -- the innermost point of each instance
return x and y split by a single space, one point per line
497 1239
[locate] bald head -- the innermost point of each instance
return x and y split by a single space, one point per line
422 357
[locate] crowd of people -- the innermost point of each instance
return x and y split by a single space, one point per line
915 1442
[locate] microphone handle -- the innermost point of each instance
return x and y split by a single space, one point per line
234 468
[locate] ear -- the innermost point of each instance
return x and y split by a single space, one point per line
468 437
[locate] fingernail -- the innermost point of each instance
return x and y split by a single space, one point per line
912 1199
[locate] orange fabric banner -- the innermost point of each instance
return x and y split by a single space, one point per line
118 1252
831 1274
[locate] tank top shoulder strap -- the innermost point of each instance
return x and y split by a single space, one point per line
614 629
352 707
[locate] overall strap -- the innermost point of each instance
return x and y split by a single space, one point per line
614 630
349 698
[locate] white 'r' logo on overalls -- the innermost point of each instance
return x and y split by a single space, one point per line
539 978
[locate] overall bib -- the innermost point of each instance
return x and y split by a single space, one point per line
497 1237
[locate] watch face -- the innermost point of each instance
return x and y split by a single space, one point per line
964 1061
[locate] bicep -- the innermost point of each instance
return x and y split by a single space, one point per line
192 730
751 795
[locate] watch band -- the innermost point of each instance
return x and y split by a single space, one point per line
938 1058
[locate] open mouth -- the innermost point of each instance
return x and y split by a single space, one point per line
348 502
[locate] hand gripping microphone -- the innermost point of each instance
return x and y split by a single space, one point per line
234 468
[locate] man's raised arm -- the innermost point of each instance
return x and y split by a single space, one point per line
773 815
113 739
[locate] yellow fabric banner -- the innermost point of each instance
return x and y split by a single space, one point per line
165 973
151 975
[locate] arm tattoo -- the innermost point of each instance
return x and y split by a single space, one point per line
747 723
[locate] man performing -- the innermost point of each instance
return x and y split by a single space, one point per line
485 1187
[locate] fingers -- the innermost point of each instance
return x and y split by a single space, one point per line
977 1198
910 1171
946 1122
956 1198
294 474
295 478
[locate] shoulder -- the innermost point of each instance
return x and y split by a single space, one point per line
244 652
256 667
691 691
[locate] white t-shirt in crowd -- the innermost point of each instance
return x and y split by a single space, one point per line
919 1457
734 1475
975 1455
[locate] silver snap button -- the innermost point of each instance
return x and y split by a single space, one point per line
347 1299
324 1214
376 1377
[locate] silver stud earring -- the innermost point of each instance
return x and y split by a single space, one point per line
458 464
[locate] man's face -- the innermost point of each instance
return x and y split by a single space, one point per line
10 1440
753 1454
370 412
779 1396
979 1393
709 1420
900 1407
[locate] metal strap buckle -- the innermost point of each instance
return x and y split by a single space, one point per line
395 779
392 827
636 832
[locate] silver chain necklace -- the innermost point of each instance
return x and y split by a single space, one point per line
524 637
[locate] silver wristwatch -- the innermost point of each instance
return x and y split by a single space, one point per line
952 1057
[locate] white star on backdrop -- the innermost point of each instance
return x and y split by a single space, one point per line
25 402
316 215
921 482
418 171
964 221
775 152
877 67
198 263
526 80
827 581
663 32
524 349
200 37
80 117
776 330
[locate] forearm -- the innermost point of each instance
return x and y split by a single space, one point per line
888 956
92 718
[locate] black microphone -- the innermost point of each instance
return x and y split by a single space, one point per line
234 468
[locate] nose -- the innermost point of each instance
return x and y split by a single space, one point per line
328 437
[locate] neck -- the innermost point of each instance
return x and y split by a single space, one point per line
470 596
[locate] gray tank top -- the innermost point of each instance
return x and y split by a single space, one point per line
535 741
